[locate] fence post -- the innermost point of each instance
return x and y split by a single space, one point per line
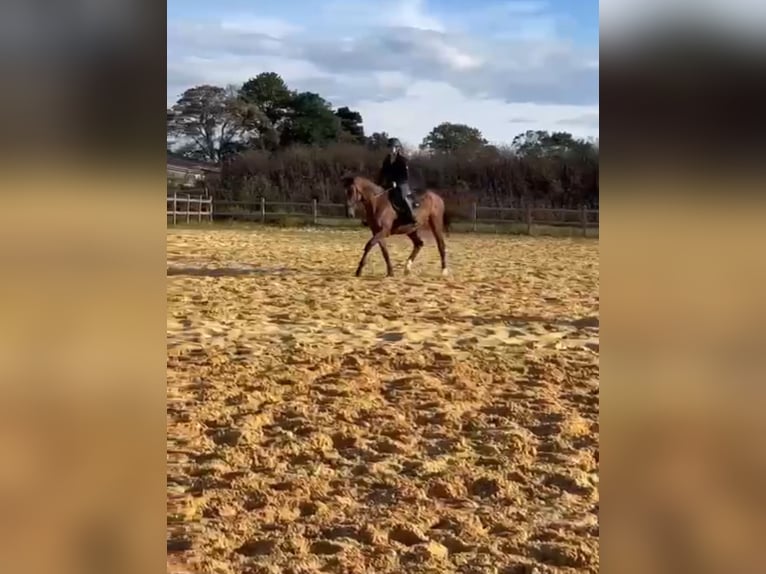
529 218
263 209
210 210
584 220
199 210
475 215
188 208
175 206
314 210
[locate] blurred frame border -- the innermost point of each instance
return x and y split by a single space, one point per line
682 277
82 245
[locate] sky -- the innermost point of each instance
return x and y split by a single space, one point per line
502 66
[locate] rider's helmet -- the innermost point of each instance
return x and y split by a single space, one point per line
394 145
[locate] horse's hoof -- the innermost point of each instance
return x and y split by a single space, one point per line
445 272
408 267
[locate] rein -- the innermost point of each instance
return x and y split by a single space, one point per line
381 192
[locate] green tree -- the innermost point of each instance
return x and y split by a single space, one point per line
540 143
269 93
378 140
311 121
449 137
351 124
209 121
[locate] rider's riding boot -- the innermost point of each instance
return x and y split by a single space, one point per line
410 207
409 202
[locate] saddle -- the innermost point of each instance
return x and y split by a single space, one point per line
416 196
399 202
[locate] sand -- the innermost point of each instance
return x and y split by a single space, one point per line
322 423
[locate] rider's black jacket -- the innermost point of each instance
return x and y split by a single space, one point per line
396 171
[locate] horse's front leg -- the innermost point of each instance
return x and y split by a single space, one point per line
384 250
369 245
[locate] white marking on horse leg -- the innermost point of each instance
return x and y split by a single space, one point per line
408 266
445 272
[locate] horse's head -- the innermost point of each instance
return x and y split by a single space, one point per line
353 194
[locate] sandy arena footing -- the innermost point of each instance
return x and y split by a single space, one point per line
322 423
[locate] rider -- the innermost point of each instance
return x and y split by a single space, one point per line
394 173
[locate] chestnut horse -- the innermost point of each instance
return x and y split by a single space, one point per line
383 220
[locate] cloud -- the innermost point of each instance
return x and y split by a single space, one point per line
386 14
415 113
248 24
388 58
588 119
412 14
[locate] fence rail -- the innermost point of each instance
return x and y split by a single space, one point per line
474 215
204 207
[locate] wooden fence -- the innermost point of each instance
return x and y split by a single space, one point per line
474 217
175 213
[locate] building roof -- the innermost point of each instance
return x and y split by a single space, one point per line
181 163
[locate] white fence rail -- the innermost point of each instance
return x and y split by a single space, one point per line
179 208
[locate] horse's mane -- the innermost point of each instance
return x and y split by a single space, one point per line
350 179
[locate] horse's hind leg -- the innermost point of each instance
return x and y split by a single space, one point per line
417 244
437 228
